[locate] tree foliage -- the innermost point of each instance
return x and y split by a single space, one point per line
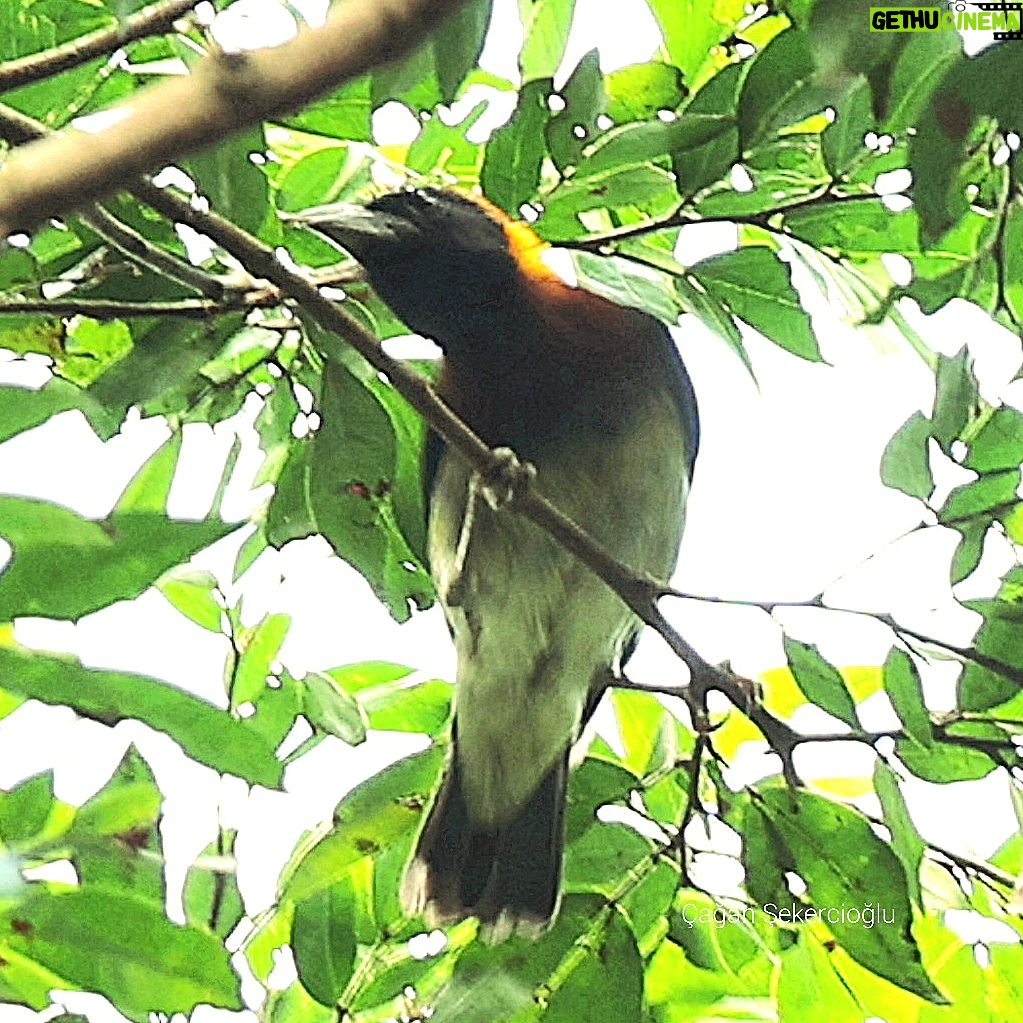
831 149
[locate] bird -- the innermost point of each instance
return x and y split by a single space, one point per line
595 397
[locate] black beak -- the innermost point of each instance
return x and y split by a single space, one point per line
356 229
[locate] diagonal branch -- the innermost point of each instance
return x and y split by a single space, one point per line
36 67
224 93
638 591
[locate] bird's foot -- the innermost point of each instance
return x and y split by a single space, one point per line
505 478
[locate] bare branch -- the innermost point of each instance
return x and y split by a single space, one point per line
225 93
36 67
126 309
143 252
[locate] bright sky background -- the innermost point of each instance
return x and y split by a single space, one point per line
787 498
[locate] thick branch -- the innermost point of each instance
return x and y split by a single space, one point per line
36 67
225 93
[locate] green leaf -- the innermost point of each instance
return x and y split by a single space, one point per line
65 566
980 689
276 708
443 148
25 808
324 176
626 283
1011 257
943 763
115 839
969 550
756 287
360 489
330 709
344 114
902 683
573 128
713 937
609 975
777 92
22 408
366 822
91 347
323 940
638 92
907 842
766 858
591 785
192 593
842 142
645 906
988 494
260 647
692 29
786 171
545 28
809 984
271 933
236 188
998 444
923 62
211 896
421 707
498 982
955 399
644 190
204 732
162 372
632 145
433 72
124 948
457 45
640 718
703 165
819 681
863 229
843 862
696 300
906 464
602 857
985 85
510 175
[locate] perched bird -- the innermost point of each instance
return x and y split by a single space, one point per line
595 396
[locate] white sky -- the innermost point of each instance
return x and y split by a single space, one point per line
787 498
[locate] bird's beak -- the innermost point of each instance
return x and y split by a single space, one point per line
355 228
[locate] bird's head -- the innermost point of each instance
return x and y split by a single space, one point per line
446 263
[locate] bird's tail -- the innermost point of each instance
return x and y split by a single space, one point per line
509 877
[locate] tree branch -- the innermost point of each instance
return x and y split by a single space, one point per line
224 93
150 21
152 257
118 309
683 217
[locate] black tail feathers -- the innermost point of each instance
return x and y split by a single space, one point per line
508 877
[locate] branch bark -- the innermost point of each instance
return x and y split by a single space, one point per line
36 67
225 93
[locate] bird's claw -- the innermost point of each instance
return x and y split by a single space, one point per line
505 478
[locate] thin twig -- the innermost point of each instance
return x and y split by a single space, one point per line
683 217
36 67
126 239
965 862
126 309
